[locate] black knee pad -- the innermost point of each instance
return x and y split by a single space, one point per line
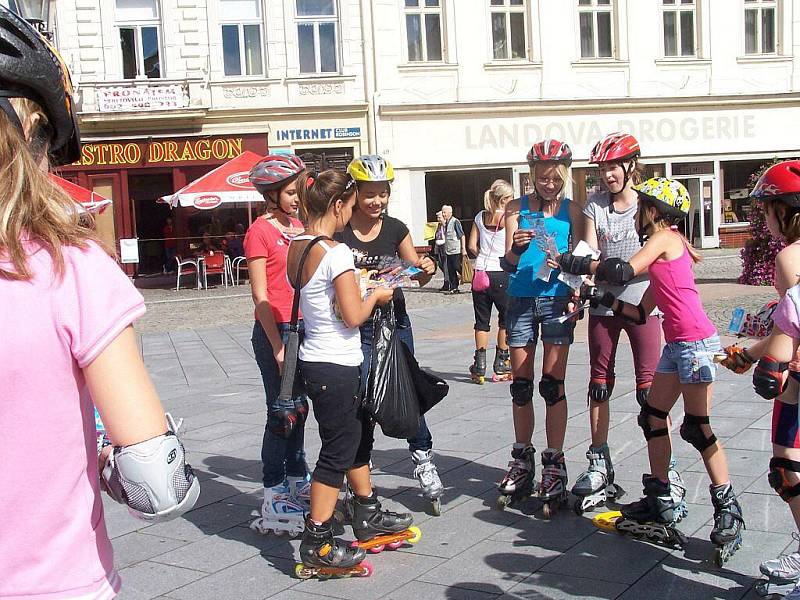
693 433
521 391
778 480
644 421
641 395
600 390
549 390
282 421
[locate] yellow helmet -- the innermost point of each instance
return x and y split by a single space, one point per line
371 167
669 195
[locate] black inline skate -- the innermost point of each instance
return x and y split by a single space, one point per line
518 482
502 365
376 528
477 369
728 523
324 556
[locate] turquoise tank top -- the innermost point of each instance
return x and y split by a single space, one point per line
524 283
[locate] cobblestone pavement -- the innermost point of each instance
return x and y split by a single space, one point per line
206 374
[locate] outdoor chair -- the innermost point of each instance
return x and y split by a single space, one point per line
239 263
187 266
215 263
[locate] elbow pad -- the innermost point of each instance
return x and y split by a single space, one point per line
615 271
768 377
152 478
507 266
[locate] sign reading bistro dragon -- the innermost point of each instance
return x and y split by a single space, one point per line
160 152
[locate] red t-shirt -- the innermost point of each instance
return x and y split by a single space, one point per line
166 233
264 240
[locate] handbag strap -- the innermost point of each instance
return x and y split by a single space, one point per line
296 300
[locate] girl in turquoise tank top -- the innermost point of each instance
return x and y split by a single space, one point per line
536 225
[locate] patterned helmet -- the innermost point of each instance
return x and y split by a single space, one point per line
275 171
550 151
615 147
371 167
780 182
669 195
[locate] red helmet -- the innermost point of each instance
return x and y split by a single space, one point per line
550 151
615 147
275 171
780 182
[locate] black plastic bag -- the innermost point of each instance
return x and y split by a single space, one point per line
391 394
430 389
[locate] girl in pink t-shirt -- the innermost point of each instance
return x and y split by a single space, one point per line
686 367
285 473
66 342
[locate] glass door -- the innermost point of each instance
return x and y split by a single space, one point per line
701 225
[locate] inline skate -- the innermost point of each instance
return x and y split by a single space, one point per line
518 482
477 369
782 574
596 485
425 471
279 513
376 529
553 487
300 491
324 556
651 518
502 365
677 489
726 535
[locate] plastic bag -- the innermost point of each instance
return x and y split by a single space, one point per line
430 389
391 395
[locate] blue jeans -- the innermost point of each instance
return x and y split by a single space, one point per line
280 456
423 439
693 362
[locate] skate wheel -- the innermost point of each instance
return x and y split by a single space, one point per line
366 569
394 545
436 507
377 549
548 510
578 509
502 502
417 535
301 572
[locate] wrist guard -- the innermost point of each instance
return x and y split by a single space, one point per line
615 271
577 265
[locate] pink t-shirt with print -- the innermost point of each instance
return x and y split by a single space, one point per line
53 540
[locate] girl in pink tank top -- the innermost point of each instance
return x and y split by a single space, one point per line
686 367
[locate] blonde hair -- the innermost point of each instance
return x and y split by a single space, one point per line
664 221
32 206
499 189
561 169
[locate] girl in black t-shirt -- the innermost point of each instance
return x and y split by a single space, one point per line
377 241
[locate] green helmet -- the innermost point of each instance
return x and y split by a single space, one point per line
669 195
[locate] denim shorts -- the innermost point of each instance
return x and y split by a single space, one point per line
525 316
692 361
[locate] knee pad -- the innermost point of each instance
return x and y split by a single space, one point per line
644 421
600 390
778 480
693 433
521 391
784 425
282 421
549 390
641 394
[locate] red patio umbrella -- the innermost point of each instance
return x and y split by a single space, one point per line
89 200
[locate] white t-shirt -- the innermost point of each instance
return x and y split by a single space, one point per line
492 245
327 338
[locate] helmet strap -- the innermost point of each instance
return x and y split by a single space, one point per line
12 115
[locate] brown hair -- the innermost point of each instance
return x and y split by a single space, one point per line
32 206
665 221
318 192
788 218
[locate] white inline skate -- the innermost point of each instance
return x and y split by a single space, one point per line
553 487
300 491
596 485
782 574
280 514
425 471
518 482
677 489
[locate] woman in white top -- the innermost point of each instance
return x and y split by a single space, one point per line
329 362
487 241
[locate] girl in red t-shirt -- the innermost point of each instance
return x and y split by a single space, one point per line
285 473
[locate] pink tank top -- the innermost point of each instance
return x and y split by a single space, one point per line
675 294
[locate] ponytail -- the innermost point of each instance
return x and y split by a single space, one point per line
317 192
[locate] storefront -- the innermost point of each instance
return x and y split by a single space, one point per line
321 144
136 173
712 146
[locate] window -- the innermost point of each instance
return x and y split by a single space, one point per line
241 37
138 24
508 29
679 23
424 30
760 18
594 18
316 36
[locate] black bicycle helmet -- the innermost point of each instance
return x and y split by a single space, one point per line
31 68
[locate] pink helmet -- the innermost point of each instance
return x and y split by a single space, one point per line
550 151
275 171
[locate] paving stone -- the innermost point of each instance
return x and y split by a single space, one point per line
134 547
429 591
148 579
547 585
252 579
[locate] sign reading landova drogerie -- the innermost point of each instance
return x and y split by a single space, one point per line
129 99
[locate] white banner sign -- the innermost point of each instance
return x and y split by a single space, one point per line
129 99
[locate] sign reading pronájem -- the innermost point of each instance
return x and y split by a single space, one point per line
129 99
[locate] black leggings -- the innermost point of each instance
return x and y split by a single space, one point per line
347 433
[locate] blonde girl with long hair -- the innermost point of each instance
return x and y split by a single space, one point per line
67 343
487 241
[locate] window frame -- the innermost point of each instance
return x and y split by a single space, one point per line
137 26
421 10
758 7
677 9
595 9
240 23
507 9
316 21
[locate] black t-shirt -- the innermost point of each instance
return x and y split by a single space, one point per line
378 253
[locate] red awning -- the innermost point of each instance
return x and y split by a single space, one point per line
227 183
89 200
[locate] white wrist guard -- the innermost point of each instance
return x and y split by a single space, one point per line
152 478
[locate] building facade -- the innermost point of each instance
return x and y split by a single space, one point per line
453 92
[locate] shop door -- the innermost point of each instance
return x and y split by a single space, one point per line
150 217
702 225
